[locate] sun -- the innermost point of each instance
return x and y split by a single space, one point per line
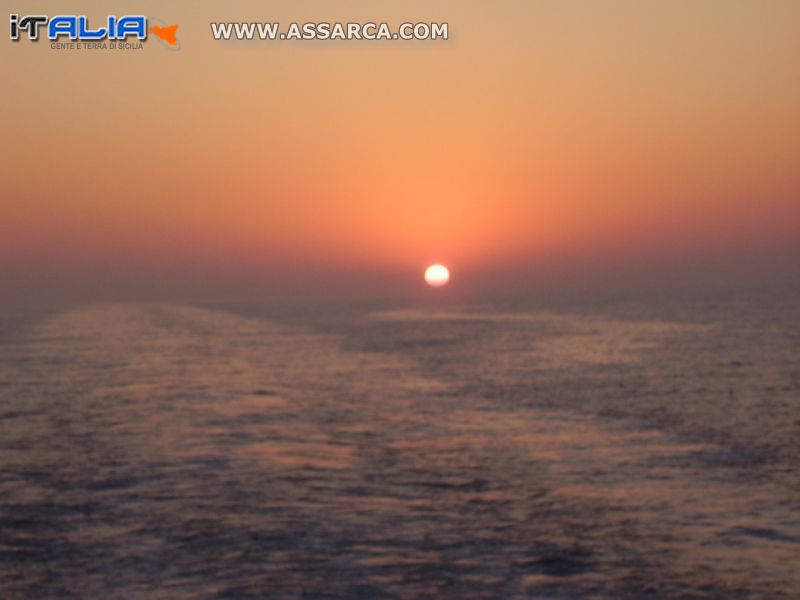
437 275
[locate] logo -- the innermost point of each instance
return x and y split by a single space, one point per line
166 34
76 29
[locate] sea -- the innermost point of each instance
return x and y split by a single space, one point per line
544 447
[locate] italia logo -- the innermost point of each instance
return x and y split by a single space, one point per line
77 28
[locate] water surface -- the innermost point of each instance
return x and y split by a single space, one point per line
622 450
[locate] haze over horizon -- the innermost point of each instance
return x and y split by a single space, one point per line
651 144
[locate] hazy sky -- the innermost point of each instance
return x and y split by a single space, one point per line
544 138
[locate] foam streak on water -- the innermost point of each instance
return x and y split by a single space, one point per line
183 452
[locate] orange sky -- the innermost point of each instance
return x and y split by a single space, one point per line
540 130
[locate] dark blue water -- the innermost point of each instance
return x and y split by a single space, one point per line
615 449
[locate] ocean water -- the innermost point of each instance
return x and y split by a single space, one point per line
501 450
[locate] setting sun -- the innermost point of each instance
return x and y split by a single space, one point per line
437 275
